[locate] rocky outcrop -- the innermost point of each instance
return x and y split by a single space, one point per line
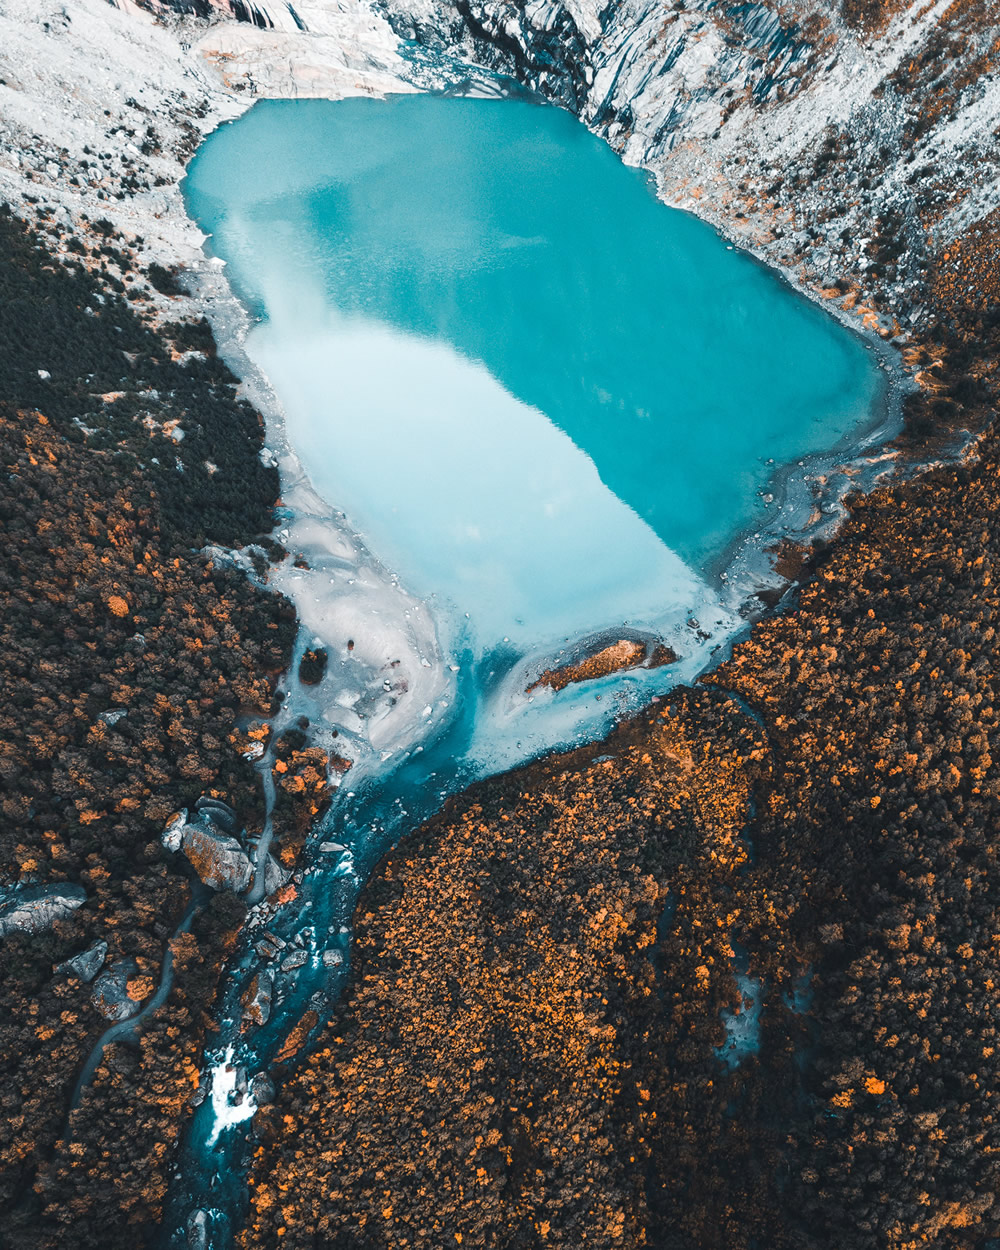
110 994
87 964
256 999
218 858
35 908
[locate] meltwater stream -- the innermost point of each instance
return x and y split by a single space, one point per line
548 403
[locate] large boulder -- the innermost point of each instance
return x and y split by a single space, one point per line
262 1089
274 876
35 908
110 993
219 813
256 999
88 963
217 857
197 1230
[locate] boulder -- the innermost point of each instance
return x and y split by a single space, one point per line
219 813
218 859
197 1230
110 993
87 964
35 908
256 999
173 835
274 876
262 1089
209 842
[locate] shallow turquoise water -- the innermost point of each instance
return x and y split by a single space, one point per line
539 393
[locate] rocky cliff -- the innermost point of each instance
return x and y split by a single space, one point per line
847 142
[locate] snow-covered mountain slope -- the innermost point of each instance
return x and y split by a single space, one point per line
848 143
845 141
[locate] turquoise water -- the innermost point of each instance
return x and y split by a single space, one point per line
546 401
539 393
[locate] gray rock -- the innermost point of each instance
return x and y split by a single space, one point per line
295 960
256 999
333 959
173 835
274 876
219 813
197 1230
35 908
262 1089
110 992
88 963
208 841
218 859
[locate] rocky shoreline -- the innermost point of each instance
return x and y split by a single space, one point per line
833 819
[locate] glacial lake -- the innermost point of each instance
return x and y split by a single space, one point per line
548 405
546 400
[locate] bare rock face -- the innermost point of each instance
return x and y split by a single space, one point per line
216 856
218 859
88 963
274 876
262 1089
256 999
110 993
35 908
